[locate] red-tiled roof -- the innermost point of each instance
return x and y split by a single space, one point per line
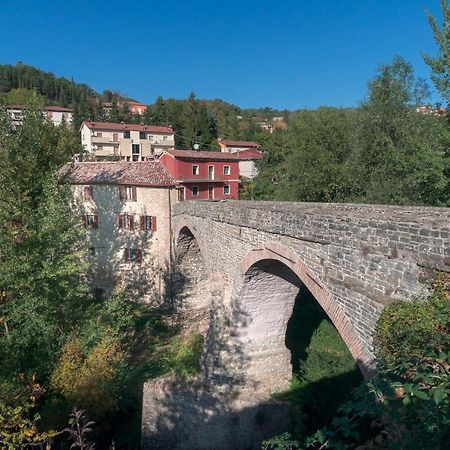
47 108
126 127
211 156
57 108
142 173
249 154
136 103
245 144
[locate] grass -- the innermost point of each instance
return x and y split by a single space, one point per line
324 369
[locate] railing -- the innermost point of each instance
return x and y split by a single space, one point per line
204 179
103 140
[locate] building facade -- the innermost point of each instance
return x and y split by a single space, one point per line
248 152
202 175
125 207
55 114
124 142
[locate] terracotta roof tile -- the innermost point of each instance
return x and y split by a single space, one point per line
142 173
246 144
194 154
57 108
126 127
250 154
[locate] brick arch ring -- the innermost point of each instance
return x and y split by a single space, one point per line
276 251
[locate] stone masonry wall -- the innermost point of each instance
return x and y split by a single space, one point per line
355 259
365 255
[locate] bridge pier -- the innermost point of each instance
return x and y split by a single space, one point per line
354 259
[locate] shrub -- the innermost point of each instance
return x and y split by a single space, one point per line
90 380
185 359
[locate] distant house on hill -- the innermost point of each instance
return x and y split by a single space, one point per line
56 114
137 108
248 152
134 107
125 206
125 142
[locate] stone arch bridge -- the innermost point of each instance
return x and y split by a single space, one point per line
354 259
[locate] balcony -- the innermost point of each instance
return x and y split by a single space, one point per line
103 140
204 179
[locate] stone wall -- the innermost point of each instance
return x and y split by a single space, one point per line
354 259
366 256
145 281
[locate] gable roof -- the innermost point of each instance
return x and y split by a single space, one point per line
126 127
46 108
142 173
57 108
205 155
245 144
249 154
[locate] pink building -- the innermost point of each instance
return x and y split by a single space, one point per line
203 175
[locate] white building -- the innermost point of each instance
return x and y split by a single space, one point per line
248 152
125 142
56 114
125 207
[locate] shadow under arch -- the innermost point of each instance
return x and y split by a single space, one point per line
189 267
273 273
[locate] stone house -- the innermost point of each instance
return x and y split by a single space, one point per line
125 207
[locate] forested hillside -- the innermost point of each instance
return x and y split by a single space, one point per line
195 121
56 91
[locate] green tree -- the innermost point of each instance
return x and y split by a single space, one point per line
440 64
198 127
401 155
322 144
157 113
21 96
41 245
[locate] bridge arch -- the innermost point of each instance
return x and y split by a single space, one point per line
271 277
189 271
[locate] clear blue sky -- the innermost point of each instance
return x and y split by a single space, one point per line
284 54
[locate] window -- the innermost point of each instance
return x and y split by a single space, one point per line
164 138
226 170
115 137
99 134
135 151
148 223
194 191
141 135
226 189
88 192
133 255
126 221
150 137
128 193
91 220
195 170
126 134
